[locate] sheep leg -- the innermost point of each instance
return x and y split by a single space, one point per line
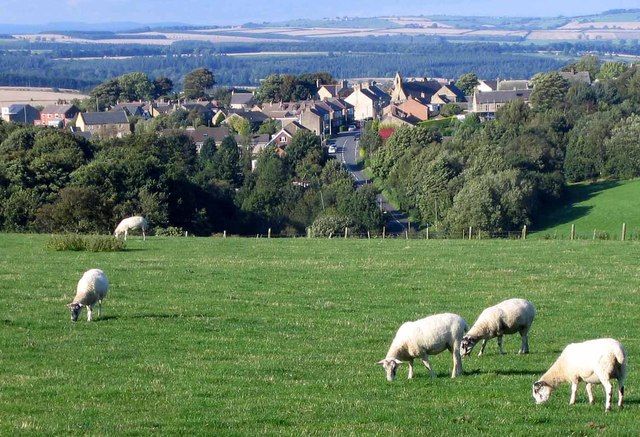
126 231
100 309
574 389
524 347
89 313
608 391
484 344
620 394
457 363
500 344
590 392
411 372
427 364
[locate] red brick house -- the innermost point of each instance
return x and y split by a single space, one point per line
57 115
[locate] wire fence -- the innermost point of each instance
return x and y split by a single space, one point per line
465 234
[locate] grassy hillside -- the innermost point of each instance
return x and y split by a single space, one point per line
601 206
245 336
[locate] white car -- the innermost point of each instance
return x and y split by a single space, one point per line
352 127
332 148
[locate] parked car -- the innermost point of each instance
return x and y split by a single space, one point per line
352 127
332 148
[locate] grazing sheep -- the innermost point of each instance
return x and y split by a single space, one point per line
424 337
507 317
92 287
594 362
129 224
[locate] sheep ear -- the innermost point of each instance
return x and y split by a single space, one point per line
381 362
397 361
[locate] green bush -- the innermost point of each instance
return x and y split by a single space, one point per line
89 243
170 231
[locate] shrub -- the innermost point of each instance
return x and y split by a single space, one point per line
90 243
170 231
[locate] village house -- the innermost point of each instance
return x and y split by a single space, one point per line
487 104
367 100
20 113
487 85
57 115
133 109
430 92
329 91
242 100
104 124
283 137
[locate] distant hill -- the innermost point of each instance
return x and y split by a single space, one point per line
599 206
76 26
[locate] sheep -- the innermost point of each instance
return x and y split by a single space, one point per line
92 287
424 337
131 223
507 317
594 362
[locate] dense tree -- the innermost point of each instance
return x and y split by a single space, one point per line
622 149
549 91
467 83
612 70
162 86
197 82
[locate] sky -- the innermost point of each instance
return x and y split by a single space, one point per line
234 12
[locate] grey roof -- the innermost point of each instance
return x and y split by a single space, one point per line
502 96
580 76
58 109
242 99
521 84
97 118
421 88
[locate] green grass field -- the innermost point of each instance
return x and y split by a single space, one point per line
601 206
204 336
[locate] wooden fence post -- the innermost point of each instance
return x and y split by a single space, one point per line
573 231
524 232
384 231
624 232
470 233
368 235
346 232
224 234
406 234
594 234
427 233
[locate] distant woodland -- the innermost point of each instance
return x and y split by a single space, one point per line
83 66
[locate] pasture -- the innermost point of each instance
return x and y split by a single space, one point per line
212 336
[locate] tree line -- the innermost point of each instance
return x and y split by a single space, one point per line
82 66
54 181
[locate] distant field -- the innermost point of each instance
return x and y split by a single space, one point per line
601 207
36 96
204 336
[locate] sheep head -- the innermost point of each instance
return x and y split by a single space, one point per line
75 308
466 345
390 366
541 391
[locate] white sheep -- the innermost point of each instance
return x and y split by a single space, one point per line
129 224
92 287
594 362
424 337
507 317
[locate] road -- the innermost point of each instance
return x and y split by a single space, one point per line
347 152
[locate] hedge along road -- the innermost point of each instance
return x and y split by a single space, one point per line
347 153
